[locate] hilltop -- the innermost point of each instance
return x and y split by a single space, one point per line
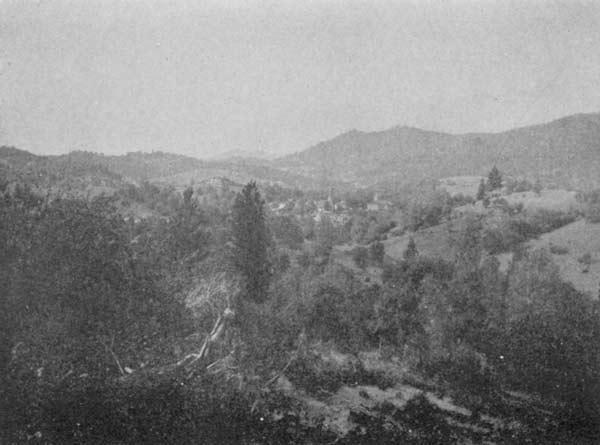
564 152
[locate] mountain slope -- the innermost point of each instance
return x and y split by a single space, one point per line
565 152
61 175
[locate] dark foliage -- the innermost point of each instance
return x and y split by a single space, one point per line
494 180
345 320
511 232
360 256
377 252
591 205
82 304
411 249
481 191
251 241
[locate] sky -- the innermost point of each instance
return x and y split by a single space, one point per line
206 77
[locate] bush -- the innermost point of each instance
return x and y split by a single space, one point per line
464 368
429 211
511 232
360 256
506 237
585 259
558 250
343 319
316 374
591 206
545 220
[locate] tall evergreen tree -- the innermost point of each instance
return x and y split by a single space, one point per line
411 250
494 179
251 241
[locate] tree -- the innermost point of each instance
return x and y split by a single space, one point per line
326 236
251 241
411 250
185 236
359 228
360 255
481 191
396 313
494 179
465 240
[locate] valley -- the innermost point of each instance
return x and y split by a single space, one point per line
377 313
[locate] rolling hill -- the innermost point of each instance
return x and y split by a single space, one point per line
564 152
78 169
58 175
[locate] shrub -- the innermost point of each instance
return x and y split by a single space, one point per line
429 211
376 252
545 220
510 232
343 319
506 237
558 250
591 206
585 259
360 256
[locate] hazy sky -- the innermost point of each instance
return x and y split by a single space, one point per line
205 77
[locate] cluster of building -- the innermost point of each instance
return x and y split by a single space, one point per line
337 211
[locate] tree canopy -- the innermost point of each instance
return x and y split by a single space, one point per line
251 241
494 181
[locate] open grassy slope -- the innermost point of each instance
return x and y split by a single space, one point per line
576 240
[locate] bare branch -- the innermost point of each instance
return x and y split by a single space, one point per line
109 349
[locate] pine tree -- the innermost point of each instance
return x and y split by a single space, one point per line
251 241
481 191
494 179
411 250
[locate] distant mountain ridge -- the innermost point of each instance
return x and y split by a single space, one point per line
79 169
565 152
243 154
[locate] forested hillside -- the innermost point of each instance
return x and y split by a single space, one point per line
564 152
220 318
77 169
